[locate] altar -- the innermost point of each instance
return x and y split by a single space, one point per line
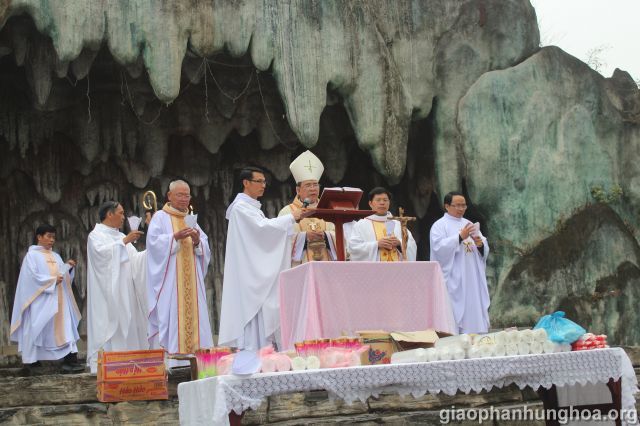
209 401
330 299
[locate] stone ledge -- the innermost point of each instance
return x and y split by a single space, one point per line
309 404
63 389
390 402
139 412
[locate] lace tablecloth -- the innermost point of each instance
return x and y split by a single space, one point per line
209 401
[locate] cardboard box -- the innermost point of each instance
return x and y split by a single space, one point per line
404 341
380 346
132 376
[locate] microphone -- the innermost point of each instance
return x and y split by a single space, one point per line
305 203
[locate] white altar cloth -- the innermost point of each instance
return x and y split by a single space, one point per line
209 401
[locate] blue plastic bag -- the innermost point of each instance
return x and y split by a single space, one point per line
559 329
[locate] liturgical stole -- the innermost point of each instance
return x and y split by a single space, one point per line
380 228
186 287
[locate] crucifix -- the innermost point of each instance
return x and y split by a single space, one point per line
403 225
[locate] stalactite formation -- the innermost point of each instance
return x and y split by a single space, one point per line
105 99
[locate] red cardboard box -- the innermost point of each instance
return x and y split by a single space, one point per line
132 376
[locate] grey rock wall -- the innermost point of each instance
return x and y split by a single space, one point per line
105 99
548 152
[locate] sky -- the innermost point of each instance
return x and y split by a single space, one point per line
580 26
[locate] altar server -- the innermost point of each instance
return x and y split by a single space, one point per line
116 287
45 315
377 238
462 251
313 238
258 249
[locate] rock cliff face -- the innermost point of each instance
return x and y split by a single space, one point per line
105 99
564 206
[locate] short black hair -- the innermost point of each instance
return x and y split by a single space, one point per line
106 208
43 229
247 173
379 190
449 197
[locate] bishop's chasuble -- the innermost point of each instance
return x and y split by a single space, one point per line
304 251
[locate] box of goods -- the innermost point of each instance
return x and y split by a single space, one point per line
380 346
132 376
405 341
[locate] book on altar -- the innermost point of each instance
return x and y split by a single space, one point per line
343 198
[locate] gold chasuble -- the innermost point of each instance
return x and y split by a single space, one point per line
380 228
316 250
186 287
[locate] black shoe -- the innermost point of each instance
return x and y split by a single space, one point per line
72 368
71 358
33 369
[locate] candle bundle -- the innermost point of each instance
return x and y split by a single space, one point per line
273 361
550 347
509 343
333 357
208 361
328 353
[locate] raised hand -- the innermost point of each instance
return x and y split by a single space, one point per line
464 232
132 236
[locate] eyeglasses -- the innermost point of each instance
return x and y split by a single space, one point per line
259 181
459 206
311 185
183 196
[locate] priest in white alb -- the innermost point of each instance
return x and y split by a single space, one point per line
45 315
378 237
462 250
178 256
116 287
258 249
313 238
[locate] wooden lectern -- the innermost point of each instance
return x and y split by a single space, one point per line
340 205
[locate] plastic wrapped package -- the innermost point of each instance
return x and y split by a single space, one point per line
560 329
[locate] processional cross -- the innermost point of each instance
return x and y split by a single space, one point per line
403 225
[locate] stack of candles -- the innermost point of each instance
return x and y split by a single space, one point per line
309 352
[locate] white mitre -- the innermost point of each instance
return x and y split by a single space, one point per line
306 167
